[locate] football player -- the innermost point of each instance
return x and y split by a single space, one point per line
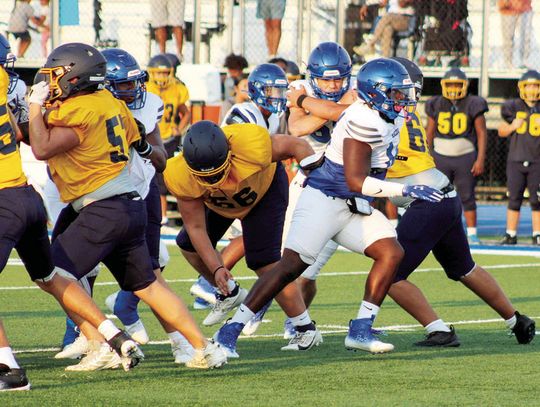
522 126
235 173
24 228
447 241
86 136
335 204
176 115
457 133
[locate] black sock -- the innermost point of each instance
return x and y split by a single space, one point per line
304 328
233 293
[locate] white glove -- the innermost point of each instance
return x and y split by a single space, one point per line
39 93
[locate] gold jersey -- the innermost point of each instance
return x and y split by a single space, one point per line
106 129
11 173
413 151
173 96
251 174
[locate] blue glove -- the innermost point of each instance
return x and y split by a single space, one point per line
423 192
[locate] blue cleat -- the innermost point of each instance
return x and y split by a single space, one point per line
227 336
253 323
361 337
473 239
289 330
199 303
72 333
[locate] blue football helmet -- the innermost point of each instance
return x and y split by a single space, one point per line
267 85
385 85
7 61
329 60
123 68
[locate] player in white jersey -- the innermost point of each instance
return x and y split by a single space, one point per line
335 204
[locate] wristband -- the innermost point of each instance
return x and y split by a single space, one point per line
383 189
300 100
217 268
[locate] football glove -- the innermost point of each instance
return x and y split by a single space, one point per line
142 146
39 93
423 192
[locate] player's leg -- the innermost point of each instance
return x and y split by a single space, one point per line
516 183
12 376
465 183
533 183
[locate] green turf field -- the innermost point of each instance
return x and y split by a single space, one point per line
488 369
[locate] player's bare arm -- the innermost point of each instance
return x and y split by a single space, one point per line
159 155
481 133
284 147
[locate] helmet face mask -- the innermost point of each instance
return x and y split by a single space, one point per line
161 71
214 177
7 61
267 85
454 84
529 87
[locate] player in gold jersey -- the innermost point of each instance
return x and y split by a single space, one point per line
176 115
87 137
227 174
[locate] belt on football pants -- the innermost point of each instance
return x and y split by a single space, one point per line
133 196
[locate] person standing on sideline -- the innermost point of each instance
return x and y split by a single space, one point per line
271 11
168 13
516 15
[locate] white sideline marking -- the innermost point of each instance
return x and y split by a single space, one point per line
333 329
323 274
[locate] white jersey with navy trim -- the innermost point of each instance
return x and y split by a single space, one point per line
17 102
362 123
248 112
141 169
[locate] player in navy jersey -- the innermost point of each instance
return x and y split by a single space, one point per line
457 132
522 127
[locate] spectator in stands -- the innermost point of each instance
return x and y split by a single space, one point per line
514 12
522 126
235 65
43 26
19 22
168 13
271 11
396 19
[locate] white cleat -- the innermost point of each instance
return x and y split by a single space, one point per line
198 290
138 333
304 340
74 350
361 337
211 357
222 308
100 357
182 351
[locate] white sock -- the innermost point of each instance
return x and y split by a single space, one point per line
243 314
437 326
511 322
176 337
231 285
393 222
301 320
108 329
471 231
511 233
367 310
7 358
536 232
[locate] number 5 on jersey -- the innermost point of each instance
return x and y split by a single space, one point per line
116 134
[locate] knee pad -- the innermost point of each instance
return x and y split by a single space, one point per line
183 241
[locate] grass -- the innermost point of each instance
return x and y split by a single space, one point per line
488 369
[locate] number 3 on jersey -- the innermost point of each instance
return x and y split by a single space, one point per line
115 131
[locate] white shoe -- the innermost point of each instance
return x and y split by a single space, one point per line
138 333
304 340
100 357
222 308
198 291
74 350
111 300
182 351
212 356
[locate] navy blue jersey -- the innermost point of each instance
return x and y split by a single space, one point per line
456 120
525 141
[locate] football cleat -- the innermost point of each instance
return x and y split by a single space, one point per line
203 289
304 340
524 329
13 379
227 336
289 330
253 324
536 240
507 239
473 239
100 357
213 356
138 333
127 349
361 337
224 306
440 339
182 351
74 350
199 303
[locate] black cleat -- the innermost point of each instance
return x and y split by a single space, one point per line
13 379
507 239
440 339
536 240
525 329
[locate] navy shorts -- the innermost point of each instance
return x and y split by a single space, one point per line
111 231
23 226
434 227
520 176
153 227
458 171
262 228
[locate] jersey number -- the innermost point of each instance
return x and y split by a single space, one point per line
533 125
8 142
244 197
456 124
169 115
115 130
417 141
